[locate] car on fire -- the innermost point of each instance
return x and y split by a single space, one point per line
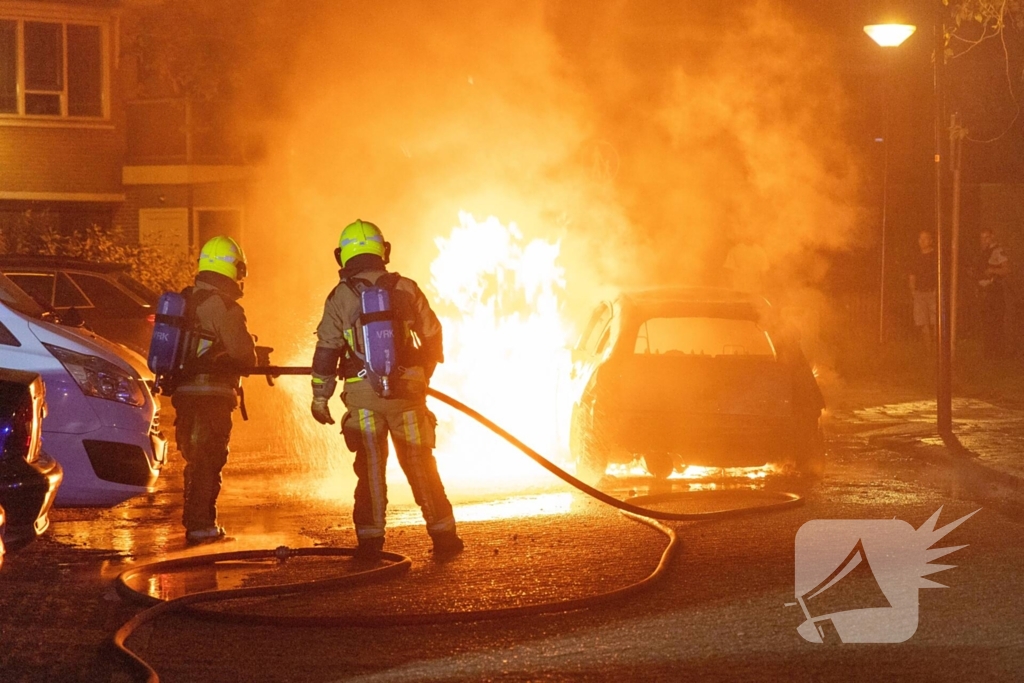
103 425
29 478
692 376
102 297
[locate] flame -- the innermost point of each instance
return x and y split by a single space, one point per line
499 298
507 354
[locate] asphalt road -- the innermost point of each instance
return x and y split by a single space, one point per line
720 614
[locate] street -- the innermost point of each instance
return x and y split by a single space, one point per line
719 614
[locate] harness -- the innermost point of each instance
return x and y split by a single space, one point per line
378 342
179 347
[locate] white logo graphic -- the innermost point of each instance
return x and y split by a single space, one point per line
857 579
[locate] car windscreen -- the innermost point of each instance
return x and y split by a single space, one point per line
713 337
107 297
15 298
39 286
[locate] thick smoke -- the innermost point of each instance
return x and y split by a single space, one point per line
648 137
651 138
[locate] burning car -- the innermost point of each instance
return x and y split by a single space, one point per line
691 376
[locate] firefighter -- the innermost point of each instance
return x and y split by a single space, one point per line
363 254
207 392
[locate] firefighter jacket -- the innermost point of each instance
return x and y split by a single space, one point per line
417 334
226 348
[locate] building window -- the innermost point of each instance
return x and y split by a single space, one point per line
52 69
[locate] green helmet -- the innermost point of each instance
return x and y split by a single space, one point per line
223 255
361 237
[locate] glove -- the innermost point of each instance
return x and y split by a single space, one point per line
263 356
321 411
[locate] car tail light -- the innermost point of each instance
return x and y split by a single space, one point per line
151 318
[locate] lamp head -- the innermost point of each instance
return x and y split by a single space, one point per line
889 35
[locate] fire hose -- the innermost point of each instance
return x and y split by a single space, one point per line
395 564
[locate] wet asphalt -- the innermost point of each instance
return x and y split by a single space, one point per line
719 614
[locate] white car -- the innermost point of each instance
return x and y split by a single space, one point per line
103 423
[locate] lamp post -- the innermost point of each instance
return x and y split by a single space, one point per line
887 36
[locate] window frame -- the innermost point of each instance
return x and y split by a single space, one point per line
20 19
112 283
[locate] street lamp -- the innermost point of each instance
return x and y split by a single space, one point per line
887 36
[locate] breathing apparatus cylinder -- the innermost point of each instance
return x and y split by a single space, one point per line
170 333
378 340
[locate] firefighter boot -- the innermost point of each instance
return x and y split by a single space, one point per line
369 549
447 544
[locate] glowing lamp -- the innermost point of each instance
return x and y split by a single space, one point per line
889 35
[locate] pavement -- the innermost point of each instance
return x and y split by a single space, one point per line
986 449
724 611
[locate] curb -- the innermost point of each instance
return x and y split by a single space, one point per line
956 458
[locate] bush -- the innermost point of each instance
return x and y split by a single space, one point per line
35 235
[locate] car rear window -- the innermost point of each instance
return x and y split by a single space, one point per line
702 337
108 297
39 286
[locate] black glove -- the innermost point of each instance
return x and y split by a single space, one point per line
321 411
263 356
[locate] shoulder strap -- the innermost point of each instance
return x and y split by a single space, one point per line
388 281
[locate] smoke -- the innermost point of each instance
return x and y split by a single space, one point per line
649 138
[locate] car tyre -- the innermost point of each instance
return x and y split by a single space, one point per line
659 465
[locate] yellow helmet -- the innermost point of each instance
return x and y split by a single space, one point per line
361 237
223 255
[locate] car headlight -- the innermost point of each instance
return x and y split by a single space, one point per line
99 378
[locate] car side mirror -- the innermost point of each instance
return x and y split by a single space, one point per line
72 318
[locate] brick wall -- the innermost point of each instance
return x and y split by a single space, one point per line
59 159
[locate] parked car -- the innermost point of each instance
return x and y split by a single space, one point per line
29 478
101 296
103 424
691 376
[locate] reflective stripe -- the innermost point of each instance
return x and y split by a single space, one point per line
442 525
375 471
414 454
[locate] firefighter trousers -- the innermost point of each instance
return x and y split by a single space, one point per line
411 428
202 430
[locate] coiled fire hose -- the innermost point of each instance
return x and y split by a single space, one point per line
396 564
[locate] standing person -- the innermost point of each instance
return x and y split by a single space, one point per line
207 393
992 268
924 285
363 254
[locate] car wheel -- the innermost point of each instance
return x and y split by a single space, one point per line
591 459
591 463
658 465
